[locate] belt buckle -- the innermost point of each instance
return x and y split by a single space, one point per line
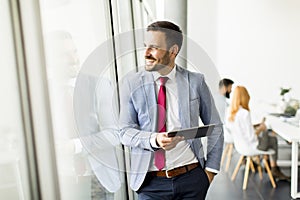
167 175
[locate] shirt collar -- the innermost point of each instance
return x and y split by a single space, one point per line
171 75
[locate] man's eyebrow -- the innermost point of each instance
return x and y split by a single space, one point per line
151 45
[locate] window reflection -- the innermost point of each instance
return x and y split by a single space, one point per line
87 147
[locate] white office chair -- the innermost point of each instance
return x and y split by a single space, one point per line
229 145
248 153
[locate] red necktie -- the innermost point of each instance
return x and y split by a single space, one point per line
159 155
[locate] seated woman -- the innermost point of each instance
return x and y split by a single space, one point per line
257 138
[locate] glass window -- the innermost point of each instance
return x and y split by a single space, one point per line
14 179
83 98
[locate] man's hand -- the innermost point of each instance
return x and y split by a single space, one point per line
263 127
210 176
167 143
259 128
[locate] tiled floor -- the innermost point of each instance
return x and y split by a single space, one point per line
225 189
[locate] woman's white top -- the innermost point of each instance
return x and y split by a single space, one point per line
243 132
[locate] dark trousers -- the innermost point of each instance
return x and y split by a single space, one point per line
191 185
268 141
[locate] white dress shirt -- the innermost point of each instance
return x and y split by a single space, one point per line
222 106
243 131
182 154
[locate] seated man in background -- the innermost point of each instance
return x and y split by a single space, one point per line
225 87
258 138
222 104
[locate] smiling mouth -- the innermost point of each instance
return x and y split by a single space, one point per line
149 61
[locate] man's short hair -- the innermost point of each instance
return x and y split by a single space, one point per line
172 31
225 82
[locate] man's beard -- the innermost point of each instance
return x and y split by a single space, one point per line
227 95
164 62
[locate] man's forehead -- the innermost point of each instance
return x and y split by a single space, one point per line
155 36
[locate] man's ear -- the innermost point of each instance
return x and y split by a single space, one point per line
174 50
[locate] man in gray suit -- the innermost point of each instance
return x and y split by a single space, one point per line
184 172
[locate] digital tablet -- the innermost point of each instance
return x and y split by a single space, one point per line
191 133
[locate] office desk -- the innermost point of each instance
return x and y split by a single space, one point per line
290 133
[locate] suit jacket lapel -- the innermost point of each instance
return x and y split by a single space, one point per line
148 86
182 80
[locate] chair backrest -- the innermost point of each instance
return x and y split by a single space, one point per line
243 147
247 150
227 135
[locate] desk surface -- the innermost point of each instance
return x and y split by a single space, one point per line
290 133
287 131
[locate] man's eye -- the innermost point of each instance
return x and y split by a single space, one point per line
154 48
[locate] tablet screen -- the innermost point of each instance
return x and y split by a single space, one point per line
191 133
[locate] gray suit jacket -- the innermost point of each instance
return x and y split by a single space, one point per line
138 116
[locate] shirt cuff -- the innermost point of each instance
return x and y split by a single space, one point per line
212 170
153 141
78 145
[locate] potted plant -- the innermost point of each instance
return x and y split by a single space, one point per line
283 92
284 100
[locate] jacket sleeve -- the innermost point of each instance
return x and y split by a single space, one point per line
130 133
210 115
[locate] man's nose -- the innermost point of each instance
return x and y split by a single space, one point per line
147 51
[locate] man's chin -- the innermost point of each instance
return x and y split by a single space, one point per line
149 68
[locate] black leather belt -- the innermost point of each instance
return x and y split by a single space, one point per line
176 171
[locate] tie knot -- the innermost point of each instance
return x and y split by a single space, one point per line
163 80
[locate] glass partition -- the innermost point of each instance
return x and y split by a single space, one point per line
14 179
83 98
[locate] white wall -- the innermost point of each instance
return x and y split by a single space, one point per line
201 34
254 42
202 24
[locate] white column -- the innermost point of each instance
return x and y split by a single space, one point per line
176 12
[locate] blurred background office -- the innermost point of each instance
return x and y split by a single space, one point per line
253 42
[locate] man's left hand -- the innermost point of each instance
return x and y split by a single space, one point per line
210 176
